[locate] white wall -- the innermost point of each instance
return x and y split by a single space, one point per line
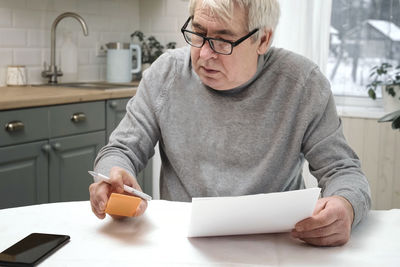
164 19
25 33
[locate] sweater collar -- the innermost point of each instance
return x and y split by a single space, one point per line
261 64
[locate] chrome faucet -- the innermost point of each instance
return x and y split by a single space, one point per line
52 72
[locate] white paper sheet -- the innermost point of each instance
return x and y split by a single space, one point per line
252 214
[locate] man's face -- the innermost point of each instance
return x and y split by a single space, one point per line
223 72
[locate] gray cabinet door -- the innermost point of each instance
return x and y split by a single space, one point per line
115 110
23 174
70 160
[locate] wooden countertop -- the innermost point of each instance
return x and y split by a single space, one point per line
13 97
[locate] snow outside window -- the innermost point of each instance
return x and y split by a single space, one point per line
363 33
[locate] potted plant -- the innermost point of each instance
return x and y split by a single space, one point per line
387 77
394 117
151 48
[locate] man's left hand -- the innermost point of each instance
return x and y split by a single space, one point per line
330 224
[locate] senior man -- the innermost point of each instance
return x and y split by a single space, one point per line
234 116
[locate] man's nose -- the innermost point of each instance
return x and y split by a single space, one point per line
206 51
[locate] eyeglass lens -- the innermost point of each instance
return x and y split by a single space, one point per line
218 46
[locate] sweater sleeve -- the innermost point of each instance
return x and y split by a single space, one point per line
132 143
331 160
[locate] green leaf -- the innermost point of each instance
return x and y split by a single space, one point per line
372 94
390 91
390 117
396 123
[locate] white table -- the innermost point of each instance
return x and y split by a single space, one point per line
158 238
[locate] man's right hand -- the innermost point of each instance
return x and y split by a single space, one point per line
101 191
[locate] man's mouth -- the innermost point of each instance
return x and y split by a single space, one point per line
209 70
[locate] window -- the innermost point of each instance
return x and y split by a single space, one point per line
363 33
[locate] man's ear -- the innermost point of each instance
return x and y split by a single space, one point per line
264 42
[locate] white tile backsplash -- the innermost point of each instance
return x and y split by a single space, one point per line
40 4
177 8
13 3
38 38
48 19
129 10
93 59
83 56
28 19
89 73
145 24
103 72
25 30
95 22
88 41
167 24
34 75
152 8
12 38
27 56
3 73
5 17
6 57
106 37
89 7
164 19
66 6
110 8
25 27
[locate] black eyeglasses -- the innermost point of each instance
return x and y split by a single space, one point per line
219 46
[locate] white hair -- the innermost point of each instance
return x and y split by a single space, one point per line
261 14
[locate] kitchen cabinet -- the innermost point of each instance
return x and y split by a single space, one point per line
70 160
45 152
23 175
115 111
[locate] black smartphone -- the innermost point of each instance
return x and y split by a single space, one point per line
32 249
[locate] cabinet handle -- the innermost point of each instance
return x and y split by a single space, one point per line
56 146
46 148
14 126
113 104
78 117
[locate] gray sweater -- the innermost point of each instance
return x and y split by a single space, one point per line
247 140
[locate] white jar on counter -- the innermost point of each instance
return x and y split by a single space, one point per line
16 75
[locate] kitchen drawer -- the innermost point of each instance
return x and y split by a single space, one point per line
23 125
76 118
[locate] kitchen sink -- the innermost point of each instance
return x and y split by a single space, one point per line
91 85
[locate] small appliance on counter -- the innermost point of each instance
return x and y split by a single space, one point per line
119 61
